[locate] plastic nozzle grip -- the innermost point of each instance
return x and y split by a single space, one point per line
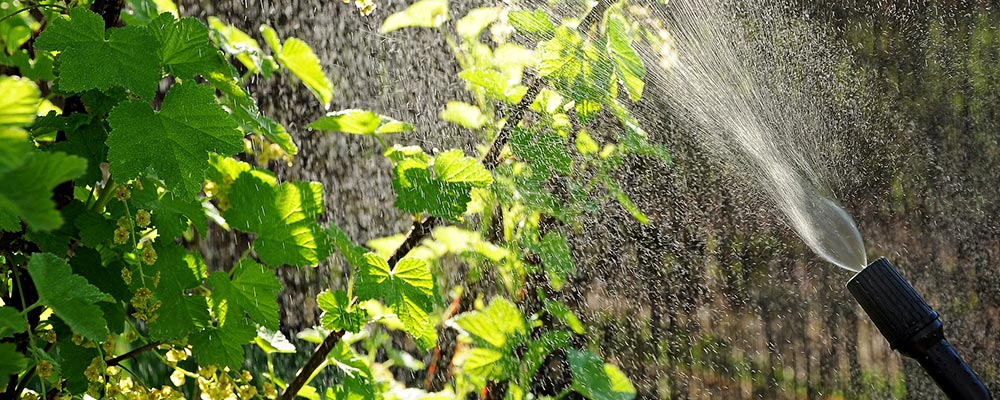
892 304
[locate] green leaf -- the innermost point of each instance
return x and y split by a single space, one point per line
250 295
408 289
629 69
487 363
249 298
180 312
70 296
37 68
586 144
634 139
453 166
622 198
545 152
472 24
562 312
494 83
222 347
87 141
557 258
534 23
244 109
15 148
495 331
283 217
26 191
94 228
464 114
11 322
337 312
246 49
500 325
539 349
11 361
15 30
359 122
75 360
273 341
19 100
446 193
596 380
354 254
458 241
88 58
174 142
575 67
171 213
424 13
298 57
87 263
185 49
141 12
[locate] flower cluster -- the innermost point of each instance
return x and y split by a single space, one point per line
145 306
365 7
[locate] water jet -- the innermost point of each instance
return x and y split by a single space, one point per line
913 328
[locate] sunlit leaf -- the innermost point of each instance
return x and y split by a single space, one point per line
298 57
338 312
454 166
464 114
424 13
575 66
284 218
243 46
473 23
408 289
500 325
445 192
622 198
26 191
273 341
494 83
628 65
359 122
562 312
532 22
19 100
185 49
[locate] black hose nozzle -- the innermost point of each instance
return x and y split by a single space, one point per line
912 327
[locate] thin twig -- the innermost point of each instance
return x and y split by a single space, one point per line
310 366
419 231
131 354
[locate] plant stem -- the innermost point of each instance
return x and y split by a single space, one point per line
104 196
134 352
317 358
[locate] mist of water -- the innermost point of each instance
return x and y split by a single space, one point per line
722 74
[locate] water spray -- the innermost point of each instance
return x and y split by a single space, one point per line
912 327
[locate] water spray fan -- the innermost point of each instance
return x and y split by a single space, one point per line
913 328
